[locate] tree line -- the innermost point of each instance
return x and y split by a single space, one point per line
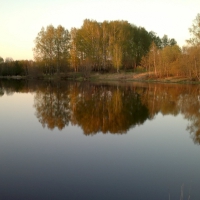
96 46
109 46
176 61
9 67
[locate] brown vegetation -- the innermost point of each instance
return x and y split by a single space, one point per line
107 47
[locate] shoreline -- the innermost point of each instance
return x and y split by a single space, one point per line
119 77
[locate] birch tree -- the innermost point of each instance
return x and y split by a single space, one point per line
195 32
52 47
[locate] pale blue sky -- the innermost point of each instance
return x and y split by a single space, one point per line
21 20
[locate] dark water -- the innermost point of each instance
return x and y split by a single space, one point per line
69 140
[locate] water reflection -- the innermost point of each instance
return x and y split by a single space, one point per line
95 108
109 108
11 86
52 106
1 90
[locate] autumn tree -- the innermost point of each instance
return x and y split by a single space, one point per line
192 58
150 61
192 52
44 46
117 39
195 32
74 54
52 47
52 106
97 46
62 45
88 40
105 44
170 60
111 43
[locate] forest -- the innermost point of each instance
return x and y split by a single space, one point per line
107 47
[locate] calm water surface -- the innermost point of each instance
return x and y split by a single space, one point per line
99 141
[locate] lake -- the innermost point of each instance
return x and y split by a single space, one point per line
73 140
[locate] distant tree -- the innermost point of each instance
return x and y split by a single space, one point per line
195 32
7 68
18 68
9 59
156 39
162 42
1 65
167 41
1 60
172 42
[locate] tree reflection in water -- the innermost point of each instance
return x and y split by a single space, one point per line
52 106
109 108
94 108
1 90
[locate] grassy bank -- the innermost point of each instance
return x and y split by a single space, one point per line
132 76
121 77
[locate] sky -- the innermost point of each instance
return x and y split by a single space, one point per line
22 20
